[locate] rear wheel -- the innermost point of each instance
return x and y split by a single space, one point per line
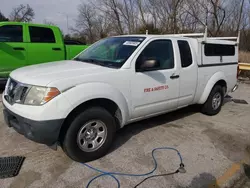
214 102
90 135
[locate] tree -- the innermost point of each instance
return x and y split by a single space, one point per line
92 22
86 20
129 11
3 18
102 18
22 13
241 14
142 12
67 37
148 27
112 8
47 22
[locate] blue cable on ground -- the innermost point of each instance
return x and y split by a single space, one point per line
113 174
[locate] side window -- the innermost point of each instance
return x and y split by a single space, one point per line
11 33
185 53
219 50
41 35
160 50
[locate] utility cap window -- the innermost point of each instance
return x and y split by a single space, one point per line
219 50
11 33
41 35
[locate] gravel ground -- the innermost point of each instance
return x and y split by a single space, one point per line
209 146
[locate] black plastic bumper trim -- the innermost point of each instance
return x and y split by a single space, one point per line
44 132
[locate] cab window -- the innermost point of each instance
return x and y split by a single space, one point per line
159 50
41 35
11 33
185 53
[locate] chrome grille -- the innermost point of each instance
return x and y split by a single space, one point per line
15 92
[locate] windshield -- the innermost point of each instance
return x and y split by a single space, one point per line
111 52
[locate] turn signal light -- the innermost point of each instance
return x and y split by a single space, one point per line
51 93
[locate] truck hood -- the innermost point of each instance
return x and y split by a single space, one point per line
45 73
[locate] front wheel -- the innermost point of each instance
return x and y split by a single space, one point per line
90 135
214 102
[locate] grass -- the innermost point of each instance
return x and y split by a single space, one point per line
244 57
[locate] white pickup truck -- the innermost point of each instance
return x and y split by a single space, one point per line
80 104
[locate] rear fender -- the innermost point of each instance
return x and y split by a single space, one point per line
210 84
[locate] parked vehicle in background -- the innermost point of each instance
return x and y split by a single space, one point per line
79 104
23 44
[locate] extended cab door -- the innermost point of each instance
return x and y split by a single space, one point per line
188 73
13 49
155 90
44 45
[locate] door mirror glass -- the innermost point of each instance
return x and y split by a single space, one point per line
149 65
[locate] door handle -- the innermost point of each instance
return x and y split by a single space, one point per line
56 49
19 48
174 76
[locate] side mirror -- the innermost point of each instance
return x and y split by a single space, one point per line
149 65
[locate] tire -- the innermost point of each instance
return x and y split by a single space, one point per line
209 107
82 131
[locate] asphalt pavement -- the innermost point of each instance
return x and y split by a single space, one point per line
213 148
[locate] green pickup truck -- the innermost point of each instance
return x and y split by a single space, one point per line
23 44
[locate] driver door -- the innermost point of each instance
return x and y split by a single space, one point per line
157 90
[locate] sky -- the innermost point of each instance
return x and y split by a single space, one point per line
55 11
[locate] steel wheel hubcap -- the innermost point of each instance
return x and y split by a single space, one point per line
216 101
92 136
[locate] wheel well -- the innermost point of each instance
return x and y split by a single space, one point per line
223 84
107 104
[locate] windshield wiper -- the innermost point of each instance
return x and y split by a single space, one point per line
97 62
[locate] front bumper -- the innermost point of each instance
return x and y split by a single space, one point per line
44 132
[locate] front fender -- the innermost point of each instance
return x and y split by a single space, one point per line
210 84
88 91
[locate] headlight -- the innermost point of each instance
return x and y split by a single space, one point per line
40 95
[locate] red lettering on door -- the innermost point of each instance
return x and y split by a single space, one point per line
159 88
